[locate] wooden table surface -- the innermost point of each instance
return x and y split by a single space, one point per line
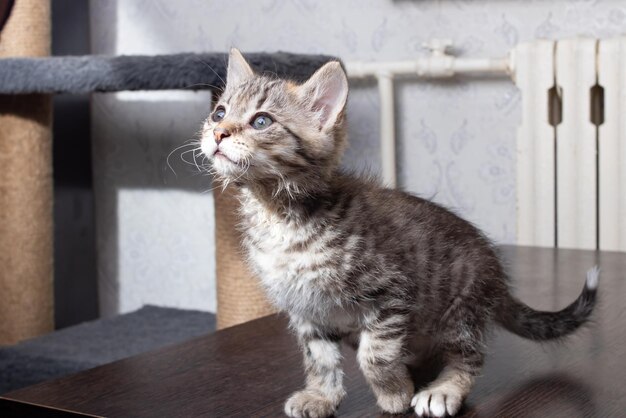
249 370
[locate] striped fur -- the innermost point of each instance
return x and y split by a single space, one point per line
389 273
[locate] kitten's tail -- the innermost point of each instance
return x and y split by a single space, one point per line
526 322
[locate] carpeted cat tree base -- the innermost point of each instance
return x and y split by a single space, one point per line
239 297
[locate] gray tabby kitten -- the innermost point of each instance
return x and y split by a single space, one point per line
349 260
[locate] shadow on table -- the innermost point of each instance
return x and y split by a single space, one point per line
554 395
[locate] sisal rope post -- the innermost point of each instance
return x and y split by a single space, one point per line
239 295
26 241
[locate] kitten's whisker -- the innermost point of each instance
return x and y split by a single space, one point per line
185 144
212 86
204 158
211 68
246 166
212 189
186 152
209 190
194 158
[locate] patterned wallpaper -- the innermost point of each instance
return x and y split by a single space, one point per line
456 138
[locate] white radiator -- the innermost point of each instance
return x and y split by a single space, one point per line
571 182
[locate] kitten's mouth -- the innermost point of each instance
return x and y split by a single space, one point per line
220 154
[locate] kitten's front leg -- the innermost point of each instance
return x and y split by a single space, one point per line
322 364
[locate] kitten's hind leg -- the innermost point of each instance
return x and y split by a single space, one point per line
382 358
445 395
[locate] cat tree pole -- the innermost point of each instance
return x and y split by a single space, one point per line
26 292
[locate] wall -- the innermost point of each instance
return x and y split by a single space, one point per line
456 139
75 288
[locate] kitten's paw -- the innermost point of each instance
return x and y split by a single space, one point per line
436 403
394 403
309 404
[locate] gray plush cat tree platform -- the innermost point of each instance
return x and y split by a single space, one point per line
27 79
95 73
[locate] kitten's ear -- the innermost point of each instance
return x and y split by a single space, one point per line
238 68
326 92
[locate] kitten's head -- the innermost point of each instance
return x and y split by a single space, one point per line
264 130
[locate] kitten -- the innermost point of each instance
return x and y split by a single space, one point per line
352 261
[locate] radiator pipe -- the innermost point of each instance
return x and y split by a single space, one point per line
439 64
387 128
444 66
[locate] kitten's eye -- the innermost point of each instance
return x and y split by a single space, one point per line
219 114
261 122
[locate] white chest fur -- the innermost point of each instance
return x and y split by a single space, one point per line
292 260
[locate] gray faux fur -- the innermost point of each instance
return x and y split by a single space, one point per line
86 74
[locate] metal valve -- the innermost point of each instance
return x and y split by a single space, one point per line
439 63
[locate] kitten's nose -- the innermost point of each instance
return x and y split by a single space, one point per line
220 133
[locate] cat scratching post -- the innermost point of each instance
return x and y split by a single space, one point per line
26 287
239 295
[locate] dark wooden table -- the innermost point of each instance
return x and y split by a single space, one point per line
249 370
